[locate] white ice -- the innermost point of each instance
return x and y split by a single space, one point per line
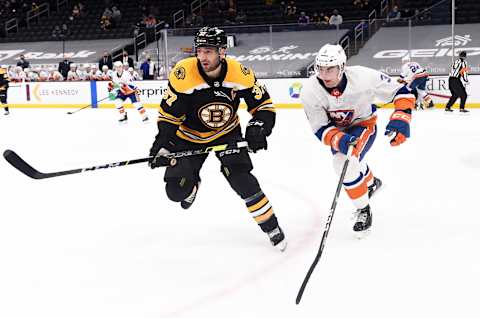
109 244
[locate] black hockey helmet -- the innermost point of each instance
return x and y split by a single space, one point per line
210 37
463 54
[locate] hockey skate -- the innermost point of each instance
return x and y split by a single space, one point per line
277 238
363 222
6 113
123 119
430 105
464 111
377 184
188 201
448 110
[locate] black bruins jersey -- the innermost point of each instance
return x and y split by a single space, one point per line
4 80
206 109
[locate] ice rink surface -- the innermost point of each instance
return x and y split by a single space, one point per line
109 244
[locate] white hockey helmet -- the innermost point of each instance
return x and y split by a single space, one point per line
331 55
118 65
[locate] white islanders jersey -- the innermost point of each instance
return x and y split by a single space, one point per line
364 87
412 71
124 79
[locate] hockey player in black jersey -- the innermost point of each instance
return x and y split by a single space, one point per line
4 81
198 109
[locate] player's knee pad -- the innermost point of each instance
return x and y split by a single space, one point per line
241 180
178 189
353 170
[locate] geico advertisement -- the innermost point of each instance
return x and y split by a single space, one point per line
150 92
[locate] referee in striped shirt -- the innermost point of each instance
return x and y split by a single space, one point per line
458 72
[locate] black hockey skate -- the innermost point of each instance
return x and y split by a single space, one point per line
363 221
188 201
377 184
448 110
464 111
277 238
124 119
430 105
6 113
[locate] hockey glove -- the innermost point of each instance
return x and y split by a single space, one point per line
256 135
157 154
341 141
399 127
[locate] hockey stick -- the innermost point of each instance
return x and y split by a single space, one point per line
327 225
89 105
16 161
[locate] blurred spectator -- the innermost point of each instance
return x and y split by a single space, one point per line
291 9
269 3
105 23
116 15
325 20
126 59
23 63
106 73
134 74
56 31
197 20
148 69
95 73
150 21
73 74
303 19
64 30
76 11
107 13
105 60
336 18
64 67
241 17
35 7
394 14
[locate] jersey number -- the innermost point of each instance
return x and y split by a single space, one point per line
413 68
169 96
258 90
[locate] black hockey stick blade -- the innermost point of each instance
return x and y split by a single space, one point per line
21 165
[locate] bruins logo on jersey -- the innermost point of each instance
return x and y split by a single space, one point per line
245 70
180 73
215 115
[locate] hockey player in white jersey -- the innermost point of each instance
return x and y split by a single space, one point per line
339 104
415 76
121 88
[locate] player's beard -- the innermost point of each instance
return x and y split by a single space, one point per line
211 67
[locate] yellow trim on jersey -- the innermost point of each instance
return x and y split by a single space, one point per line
265 105
185 76
164 116
239 74
3 70
202 137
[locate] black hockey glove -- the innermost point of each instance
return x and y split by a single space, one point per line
158 152
256 135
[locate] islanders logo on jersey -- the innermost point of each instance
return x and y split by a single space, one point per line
295 89
341 118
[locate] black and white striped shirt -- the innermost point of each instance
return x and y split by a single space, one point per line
459 69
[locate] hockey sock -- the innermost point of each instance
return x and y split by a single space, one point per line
262 212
